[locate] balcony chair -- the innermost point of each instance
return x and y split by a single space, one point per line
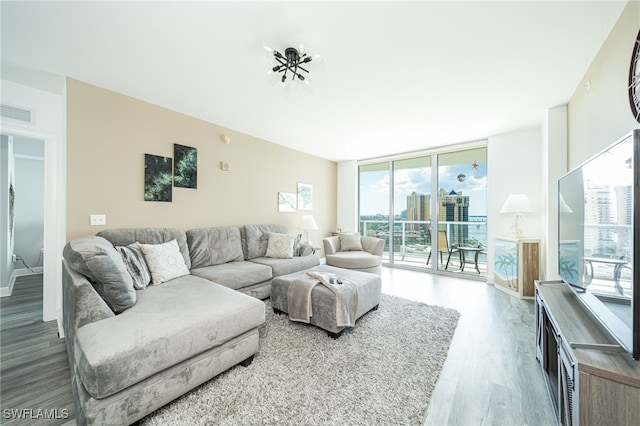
352 251
443 247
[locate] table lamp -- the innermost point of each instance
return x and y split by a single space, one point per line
308 224
517 204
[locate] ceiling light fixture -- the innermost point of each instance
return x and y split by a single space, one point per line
291 61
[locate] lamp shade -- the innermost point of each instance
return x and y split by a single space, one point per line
517 203
307 223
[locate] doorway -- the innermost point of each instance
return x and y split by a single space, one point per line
54 227
23 218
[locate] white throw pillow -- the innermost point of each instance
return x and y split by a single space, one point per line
165 261
280 246
350 242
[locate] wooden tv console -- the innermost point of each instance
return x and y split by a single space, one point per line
589 386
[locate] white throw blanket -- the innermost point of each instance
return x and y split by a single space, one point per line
299 298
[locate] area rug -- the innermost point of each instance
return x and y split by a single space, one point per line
382 371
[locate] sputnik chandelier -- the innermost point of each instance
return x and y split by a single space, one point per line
292 61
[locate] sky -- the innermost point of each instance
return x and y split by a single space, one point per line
374 187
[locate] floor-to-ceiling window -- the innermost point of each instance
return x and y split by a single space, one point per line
430 209
462 209
374 206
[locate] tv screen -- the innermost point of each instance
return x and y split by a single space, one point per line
598 232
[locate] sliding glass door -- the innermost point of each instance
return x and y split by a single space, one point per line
462 210
412 210
429 209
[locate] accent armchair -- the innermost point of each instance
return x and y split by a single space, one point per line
352 251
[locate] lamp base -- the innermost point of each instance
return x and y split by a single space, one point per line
515 230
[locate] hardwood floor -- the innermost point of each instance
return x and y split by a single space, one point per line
35 387
490 376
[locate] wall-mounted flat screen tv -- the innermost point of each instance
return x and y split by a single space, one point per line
599 236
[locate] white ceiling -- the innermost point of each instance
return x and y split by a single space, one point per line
395 77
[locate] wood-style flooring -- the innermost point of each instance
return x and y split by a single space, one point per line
35 386
490 377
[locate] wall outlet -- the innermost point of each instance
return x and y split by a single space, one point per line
14 258
98 220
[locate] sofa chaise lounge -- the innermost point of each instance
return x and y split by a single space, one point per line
127 358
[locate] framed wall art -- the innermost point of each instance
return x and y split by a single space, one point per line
305 196
158 178
185 171
286 202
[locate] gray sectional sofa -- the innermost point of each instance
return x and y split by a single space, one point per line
133 351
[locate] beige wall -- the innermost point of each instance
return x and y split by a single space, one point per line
599 111
108 135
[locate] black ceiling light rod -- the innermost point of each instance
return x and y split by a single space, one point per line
291 61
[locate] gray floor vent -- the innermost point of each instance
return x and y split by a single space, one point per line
16 113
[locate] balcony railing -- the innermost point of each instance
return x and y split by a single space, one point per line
411 243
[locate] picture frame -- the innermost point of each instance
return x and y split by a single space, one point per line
158 178
286 202
185 171
305 196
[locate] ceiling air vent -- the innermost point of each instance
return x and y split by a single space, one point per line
15 113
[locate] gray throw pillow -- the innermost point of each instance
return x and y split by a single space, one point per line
136 265
97 259
296 245
350 242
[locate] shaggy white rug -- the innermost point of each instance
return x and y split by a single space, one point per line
382 371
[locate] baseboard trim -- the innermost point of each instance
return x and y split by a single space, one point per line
6 291
23 272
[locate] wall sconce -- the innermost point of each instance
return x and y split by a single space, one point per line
308 223
517 204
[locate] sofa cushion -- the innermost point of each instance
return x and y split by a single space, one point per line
214 246
235 275
280 246
255 239
136 265
100 262
354 260
350 242
287 266
126 236
169 324
164 261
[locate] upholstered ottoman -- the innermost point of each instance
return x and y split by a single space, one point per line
323 300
